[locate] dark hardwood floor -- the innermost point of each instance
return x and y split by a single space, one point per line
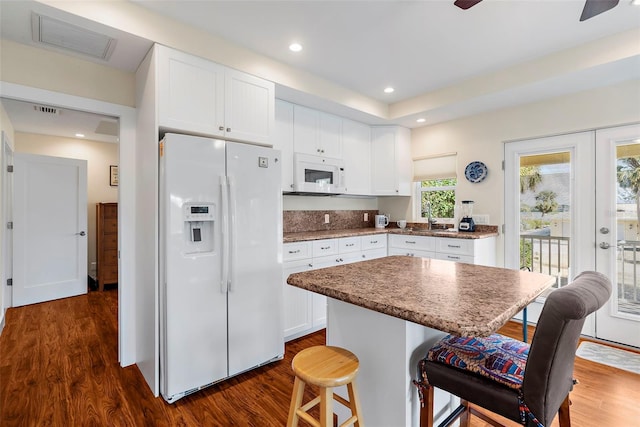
59 367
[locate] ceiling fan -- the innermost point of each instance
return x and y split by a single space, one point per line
591 7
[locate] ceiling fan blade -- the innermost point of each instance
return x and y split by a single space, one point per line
466 4
596 7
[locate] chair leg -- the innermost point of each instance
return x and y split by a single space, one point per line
465 418
564 417
354 404
426 412
326 406
296 401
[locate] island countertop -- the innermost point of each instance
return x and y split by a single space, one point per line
457 298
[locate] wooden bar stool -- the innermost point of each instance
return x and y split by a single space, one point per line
326 367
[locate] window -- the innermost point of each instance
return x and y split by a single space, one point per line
437 198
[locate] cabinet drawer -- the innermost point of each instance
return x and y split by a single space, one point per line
110 257
110 241
108 274
457 258
419 243
374 241
111 226
349 244
110 211
298 250
412 252
373 254
325 247
455 246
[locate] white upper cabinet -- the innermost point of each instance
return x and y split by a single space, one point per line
356 150
283 140
198 96
391 167
317 133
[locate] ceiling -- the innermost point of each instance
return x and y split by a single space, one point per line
421 48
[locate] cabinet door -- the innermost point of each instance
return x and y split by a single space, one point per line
283 141
297 302
249 107
191 93
306 123
330 136
403 162
383 153
356 152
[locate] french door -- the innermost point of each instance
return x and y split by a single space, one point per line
571 204
618 236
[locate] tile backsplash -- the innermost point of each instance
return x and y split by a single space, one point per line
298 221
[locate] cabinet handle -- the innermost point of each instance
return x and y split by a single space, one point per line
409 241
322 151
349 245
324 248
295 252
310 265
220 127
373 241
339 260
228 129
453 246
453 257
317 150
364 256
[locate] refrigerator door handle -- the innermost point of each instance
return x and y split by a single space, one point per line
232 232
224 195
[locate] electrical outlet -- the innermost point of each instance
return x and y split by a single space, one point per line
481 219
366 216
326 218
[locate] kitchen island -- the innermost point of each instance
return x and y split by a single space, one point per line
389 311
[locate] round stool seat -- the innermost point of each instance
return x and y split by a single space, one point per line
326 366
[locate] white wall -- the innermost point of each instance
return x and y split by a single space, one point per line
41 68
99 156
482 137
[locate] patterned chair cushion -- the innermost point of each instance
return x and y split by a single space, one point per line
499 358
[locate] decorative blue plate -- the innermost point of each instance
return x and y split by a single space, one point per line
476 172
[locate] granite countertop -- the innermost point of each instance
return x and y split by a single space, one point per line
457 298
333 234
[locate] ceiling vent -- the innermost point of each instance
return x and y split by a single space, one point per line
47 110
69 37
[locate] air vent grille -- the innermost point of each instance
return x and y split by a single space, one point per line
72 38
47 110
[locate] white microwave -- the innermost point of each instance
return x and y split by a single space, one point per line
315 174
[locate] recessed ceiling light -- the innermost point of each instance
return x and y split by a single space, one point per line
295 47
388 89
421 120
80 135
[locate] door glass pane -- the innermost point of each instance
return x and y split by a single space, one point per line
628 237
545 214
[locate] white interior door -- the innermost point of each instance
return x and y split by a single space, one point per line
50 223
618 234
7 216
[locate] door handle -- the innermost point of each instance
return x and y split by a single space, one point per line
604 245
82 233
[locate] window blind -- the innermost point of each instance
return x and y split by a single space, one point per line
435 167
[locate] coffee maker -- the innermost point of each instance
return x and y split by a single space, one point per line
466 223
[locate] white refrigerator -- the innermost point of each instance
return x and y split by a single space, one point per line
221 309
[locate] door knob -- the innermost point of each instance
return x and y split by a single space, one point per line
82 233
604 245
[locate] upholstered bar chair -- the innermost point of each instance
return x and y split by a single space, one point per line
526 384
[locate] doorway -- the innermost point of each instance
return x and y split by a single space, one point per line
126 197
562 202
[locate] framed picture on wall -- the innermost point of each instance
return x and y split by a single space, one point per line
113 175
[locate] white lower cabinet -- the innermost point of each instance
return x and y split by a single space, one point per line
471 251
305 311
